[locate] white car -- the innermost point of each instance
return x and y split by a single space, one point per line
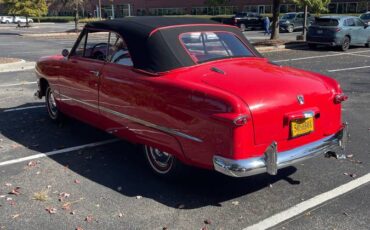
18 19
6 19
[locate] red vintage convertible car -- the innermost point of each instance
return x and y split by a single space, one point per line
193 92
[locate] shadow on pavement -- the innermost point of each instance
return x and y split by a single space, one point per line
121 166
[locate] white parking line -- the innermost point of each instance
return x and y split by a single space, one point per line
309 204
17 84
321 56
24 108
346 69
41 155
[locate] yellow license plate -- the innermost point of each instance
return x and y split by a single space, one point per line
301 126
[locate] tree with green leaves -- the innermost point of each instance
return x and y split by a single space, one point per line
76 5
27 8
315 6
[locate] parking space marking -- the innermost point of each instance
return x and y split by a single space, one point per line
346 69
24 108
17 84
60 151
321 56
309 204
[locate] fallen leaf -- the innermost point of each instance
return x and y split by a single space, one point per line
66 206
346 174
138 197
2 196
77 181
349 155
9 198
8 184
73 212
51 210
48 187
15 216
63 195
206 221
89 219
32 164
353 175
235 203
38 172
15 191
120 214
164 228
204 228
79 228
270 185
181 206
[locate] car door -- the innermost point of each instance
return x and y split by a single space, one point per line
352 30
80 80
363 32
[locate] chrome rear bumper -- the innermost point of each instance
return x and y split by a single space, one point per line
273 160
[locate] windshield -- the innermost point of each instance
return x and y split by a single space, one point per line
326 22
208 46
288 16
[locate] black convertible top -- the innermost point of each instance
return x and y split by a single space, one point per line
154 43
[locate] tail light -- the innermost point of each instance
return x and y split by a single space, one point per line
339 98
241 120
235 119
337 29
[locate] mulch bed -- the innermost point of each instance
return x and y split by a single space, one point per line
4 60
275 42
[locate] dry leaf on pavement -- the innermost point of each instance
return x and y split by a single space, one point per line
89 218
51 210
15 191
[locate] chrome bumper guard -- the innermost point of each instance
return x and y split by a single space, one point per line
273 160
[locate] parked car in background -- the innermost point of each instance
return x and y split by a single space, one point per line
366 17
293 21
21 19
192 91
341 31
247 20
7 19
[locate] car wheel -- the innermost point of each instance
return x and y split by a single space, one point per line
312 46
51 105
243 27
290 29
346 43
367 45
162 163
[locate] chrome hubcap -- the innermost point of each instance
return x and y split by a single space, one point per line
160 161
52 104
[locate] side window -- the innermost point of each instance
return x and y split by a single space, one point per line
350 22
93 45
118 51
300 16
359 22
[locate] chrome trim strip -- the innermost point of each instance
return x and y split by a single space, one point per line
137 120
257 165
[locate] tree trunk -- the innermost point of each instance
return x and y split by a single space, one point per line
305 22
275 19
27 24
76 19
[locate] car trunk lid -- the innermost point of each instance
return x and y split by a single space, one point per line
271 93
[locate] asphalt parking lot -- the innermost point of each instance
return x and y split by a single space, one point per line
108 186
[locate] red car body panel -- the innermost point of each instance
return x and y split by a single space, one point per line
193 100
189 111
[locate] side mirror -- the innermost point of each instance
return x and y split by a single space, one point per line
65 53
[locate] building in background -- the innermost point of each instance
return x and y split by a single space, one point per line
122 8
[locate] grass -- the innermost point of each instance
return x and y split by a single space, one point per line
41 196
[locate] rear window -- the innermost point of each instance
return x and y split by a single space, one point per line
326 22
208 46
365 16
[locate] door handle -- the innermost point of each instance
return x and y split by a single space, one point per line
95 73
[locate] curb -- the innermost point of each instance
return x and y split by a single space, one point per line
50 34
288 46
17 66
